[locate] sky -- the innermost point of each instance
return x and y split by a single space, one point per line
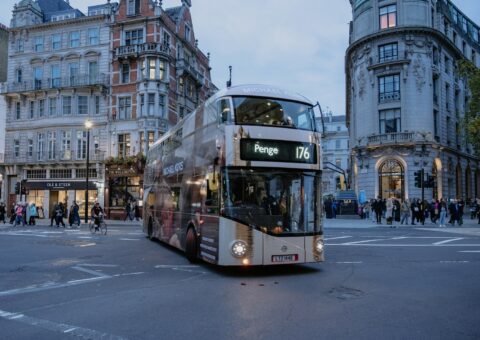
298 45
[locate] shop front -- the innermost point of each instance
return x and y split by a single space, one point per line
124 186
46 194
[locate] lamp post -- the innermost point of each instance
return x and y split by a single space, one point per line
88 126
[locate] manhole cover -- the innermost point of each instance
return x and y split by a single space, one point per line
345 293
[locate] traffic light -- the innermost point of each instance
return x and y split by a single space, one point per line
17 188
23 190
430 181
418 178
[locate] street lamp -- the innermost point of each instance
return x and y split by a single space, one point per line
88 126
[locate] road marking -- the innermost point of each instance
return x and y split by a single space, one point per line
80 332
448 241
454 261
348 262
97 265
469 251
171 266
18 234
85 237
129 239
365 241
336 238
128 274
86 245
403 245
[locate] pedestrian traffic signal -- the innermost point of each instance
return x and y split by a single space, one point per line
418 179
430 181
23 189
17 188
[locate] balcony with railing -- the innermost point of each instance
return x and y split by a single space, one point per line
395 138
184 67
134 51
57 157
387 97
81 80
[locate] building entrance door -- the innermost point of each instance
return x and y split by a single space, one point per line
391 180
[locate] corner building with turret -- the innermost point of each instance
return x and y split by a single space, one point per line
405 99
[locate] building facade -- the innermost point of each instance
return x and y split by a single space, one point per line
336 154
405 99
119 66
3 104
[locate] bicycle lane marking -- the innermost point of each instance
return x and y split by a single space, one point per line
64 328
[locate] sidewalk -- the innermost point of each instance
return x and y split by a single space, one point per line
44 222
356 222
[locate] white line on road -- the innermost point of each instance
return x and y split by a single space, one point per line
348 262
86 245
454 261
129 239
469 251
80 332
97 265
336 238
402 245
360 242
448 241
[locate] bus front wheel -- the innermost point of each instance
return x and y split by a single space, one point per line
191 246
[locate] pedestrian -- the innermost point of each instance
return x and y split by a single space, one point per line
128 212
18 215
405 211
59 215
136 210
378 210
32 214
74 216
13 214
396 210
389 212
334 209
443 212
366 210
461 206
414 209
53 214
3 211
473 209
24 213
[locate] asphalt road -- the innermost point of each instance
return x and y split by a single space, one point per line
376 283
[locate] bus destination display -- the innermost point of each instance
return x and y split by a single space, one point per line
277 151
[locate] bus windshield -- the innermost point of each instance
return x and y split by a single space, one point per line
271 111
273 201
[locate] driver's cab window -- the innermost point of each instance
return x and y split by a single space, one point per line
224 110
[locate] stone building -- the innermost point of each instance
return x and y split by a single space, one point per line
131 68
58 77
405 100
3 106
336 153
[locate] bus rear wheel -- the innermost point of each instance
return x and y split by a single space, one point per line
191 246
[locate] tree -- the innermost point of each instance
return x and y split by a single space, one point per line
472 112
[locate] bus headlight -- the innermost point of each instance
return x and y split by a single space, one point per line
319 245
239 248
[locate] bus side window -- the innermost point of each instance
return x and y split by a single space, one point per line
223 110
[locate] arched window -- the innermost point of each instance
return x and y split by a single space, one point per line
391 179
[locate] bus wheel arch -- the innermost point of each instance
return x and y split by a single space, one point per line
191 244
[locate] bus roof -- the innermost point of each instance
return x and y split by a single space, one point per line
258 90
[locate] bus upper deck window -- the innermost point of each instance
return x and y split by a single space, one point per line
224 110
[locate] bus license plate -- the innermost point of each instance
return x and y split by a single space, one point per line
285 258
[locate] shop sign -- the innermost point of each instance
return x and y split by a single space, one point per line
60 185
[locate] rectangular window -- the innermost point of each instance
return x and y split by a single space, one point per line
17 111
81 144
166 39
56 41
132 7
124 145
41 108
74 70
32 109
66 152
37 77
93 72
52 106
82 105
75 39
16 148
124 108
187 32
435 125
151 104
435 91
337 144
92 36
61 173
41 146
161 69
18 75
38 44
387 52
30 148
447 65
390 121
125 73
142 141
36 174
134 37
161 105
55 76
67 105
151 138
447 96
52 137
20 45
82 173
448 130
142 105
97 105
151 68
389 88
181 86
388 16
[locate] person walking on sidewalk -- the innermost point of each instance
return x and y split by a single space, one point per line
136 210
377 207
443 212
128 212
59 215
405 211
32 214
19 215
3 211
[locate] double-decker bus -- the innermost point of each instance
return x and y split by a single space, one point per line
237 181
